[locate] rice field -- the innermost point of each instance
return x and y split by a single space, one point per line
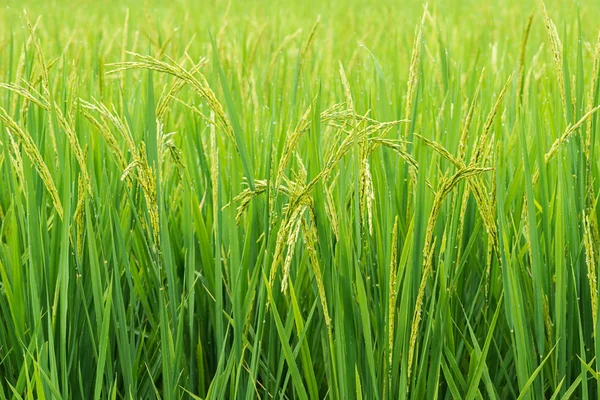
342 199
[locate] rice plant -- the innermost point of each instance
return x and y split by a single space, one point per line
299 200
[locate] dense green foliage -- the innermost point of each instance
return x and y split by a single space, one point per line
340 199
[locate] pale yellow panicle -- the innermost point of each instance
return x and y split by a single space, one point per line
198 84
291 142
79 214
346 86
392 295
45 79
294 230
557 55
16 159
22 62
413 71
521 71
591 263
34 155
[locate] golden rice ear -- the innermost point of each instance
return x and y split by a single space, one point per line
76 147
587 146
556 146
330 211
309 42
22 62
45 79
291 141
346 86
392 295
478 154
366 195
567 133
32 96
144 174
474 185
214 171
28 94
244 198
164 104
294 230
286 40
112 117
464 136
106 134
282 239
595 71
16 159
591 263
36 158
198 84
556 46
438 148
521 70
79 214
124 41
413 72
